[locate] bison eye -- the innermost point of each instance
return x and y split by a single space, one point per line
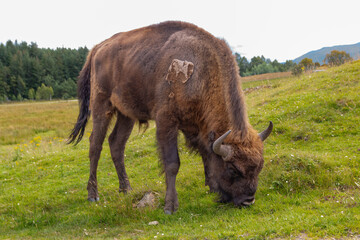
234 173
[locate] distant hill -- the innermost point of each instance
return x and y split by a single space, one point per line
319 55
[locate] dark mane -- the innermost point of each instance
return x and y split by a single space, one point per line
234 95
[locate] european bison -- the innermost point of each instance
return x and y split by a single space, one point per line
185 79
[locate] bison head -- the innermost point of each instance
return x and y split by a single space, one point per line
234 169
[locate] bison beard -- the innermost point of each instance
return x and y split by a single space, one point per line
186 80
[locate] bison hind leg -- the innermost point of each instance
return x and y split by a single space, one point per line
117 142
102 114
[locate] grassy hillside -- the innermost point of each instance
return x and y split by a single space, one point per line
309 187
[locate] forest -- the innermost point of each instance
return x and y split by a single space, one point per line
28 72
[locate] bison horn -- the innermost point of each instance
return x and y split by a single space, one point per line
219 149
264 134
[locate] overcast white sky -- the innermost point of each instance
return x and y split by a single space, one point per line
277 29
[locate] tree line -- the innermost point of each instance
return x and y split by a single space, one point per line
260 65
334 58
30 72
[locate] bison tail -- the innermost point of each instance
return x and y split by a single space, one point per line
83 92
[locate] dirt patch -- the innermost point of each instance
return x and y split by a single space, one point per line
266 76
252 89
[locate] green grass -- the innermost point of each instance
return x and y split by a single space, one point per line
309 186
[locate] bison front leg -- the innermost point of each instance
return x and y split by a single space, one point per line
167 141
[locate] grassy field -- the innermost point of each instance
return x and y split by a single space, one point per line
309 187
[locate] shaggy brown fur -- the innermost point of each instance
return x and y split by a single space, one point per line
183 78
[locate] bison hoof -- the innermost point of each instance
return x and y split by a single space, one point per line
93 199
168 212
171 209
125 190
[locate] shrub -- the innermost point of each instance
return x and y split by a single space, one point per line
44 93
337 58
31 94
307 63
297 70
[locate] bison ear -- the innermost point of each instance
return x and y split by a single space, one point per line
180 71
211 136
